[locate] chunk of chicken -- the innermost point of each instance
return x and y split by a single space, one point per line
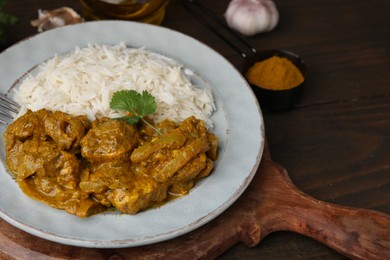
109 140
26 127
125 190
65 130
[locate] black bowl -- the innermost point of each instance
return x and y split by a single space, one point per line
277 100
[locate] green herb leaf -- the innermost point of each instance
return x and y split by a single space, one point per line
139 105
129 119
4 20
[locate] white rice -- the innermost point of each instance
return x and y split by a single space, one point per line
83 82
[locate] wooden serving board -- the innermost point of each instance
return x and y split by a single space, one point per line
271 203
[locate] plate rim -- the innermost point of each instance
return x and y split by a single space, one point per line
152 239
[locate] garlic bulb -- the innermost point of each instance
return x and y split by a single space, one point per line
56 18
250 17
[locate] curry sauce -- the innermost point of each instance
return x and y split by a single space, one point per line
88 167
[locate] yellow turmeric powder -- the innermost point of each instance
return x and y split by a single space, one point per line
275 73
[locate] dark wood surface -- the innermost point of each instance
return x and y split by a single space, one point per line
336 143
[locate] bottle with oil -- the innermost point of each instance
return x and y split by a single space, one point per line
147 11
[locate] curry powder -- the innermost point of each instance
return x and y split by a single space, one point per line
275 73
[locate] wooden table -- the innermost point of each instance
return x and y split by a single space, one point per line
336 143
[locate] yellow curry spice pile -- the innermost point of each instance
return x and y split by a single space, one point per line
275 73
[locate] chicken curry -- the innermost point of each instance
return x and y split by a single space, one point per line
88 167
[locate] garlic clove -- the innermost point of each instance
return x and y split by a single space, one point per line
250 17
56 18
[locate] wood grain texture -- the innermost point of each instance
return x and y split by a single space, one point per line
336 143
271 203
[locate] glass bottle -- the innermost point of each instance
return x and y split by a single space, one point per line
147 11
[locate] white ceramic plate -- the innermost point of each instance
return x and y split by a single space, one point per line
238 123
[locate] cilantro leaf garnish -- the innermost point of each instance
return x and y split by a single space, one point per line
138 104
